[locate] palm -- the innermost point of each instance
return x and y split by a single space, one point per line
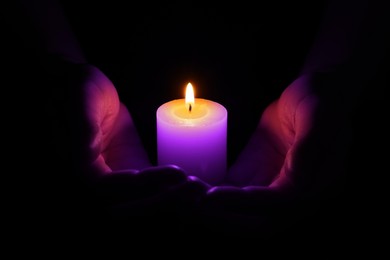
109 137
295 133
100 132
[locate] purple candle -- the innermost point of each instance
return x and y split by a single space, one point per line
192 134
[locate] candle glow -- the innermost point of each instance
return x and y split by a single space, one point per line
190 97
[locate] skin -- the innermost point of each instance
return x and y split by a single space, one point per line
297 156
94 156
296 152
113 158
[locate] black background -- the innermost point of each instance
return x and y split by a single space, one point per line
240 54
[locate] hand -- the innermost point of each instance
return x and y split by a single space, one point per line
107 154
297 136
296 152
93 131
151 191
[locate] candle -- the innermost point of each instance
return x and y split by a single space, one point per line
192 134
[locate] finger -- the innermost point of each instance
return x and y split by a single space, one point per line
123 148
196 179
312 161
160 177
225 197
132 185
263 155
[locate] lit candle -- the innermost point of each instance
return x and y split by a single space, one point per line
192 134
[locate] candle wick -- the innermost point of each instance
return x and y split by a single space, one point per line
190 108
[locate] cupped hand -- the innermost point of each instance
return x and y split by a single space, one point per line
299 140
92 129
104 147
297 151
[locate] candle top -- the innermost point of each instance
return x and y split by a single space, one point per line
203 112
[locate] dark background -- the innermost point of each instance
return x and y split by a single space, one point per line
239 54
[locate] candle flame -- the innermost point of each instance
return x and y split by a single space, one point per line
190 99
